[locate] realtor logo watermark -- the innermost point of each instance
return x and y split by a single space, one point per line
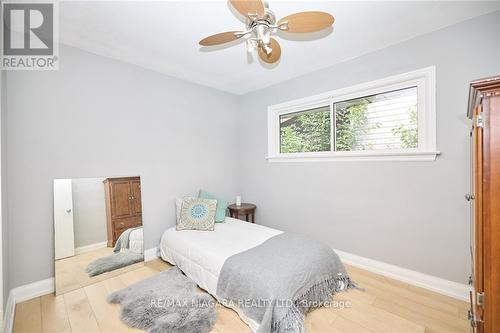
30 34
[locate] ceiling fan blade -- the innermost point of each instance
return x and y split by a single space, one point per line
221 38
245 7
306 22
275 53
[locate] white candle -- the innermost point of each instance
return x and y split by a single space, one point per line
238 200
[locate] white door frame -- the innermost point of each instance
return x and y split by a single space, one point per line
64 241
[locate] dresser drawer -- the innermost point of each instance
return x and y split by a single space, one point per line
121 225
127 223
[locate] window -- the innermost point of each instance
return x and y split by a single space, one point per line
391 118
306 131
384 121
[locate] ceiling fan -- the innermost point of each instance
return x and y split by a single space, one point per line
261 24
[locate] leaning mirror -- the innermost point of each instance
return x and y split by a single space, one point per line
98 229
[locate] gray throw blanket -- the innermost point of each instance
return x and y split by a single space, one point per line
278 282
123 240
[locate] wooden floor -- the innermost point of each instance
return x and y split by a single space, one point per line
71 275
386 306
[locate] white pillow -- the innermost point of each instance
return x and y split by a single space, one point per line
178 206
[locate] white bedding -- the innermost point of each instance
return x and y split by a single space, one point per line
201 254
136 241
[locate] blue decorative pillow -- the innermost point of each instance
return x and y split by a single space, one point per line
197 214
220 212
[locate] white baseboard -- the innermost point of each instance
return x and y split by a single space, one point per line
8 320
32 290
24 293
433 283
91 247
151 254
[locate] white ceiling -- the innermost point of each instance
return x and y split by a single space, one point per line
163 35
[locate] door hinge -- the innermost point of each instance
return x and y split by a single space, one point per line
480 299
480 120
469 197
471 318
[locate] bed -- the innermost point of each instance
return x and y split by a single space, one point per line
201 254
131 240
136 241
204 255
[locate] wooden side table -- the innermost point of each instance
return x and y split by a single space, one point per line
246 209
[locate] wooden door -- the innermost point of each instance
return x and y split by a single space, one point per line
121 198
135 186
477 169
484 109
491 213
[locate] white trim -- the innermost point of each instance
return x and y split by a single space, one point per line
32 290
357 156
24 293
91 247
151 254
433 283
10 309
425 81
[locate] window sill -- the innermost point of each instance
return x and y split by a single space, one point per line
355 156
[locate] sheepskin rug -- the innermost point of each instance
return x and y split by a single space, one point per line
167 302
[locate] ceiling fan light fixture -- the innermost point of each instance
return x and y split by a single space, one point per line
263 33
251 45
261 24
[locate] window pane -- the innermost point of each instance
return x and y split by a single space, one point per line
378 122
306 131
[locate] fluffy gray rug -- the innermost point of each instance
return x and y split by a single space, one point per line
167 302
112 262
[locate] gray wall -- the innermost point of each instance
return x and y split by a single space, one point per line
5 225
89 211
95 117
410 214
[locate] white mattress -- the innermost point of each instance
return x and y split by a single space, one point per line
201 254
136 241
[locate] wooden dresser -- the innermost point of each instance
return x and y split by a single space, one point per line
123 205
484 110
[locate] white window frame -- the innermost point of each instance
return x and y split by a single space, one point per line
425 81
